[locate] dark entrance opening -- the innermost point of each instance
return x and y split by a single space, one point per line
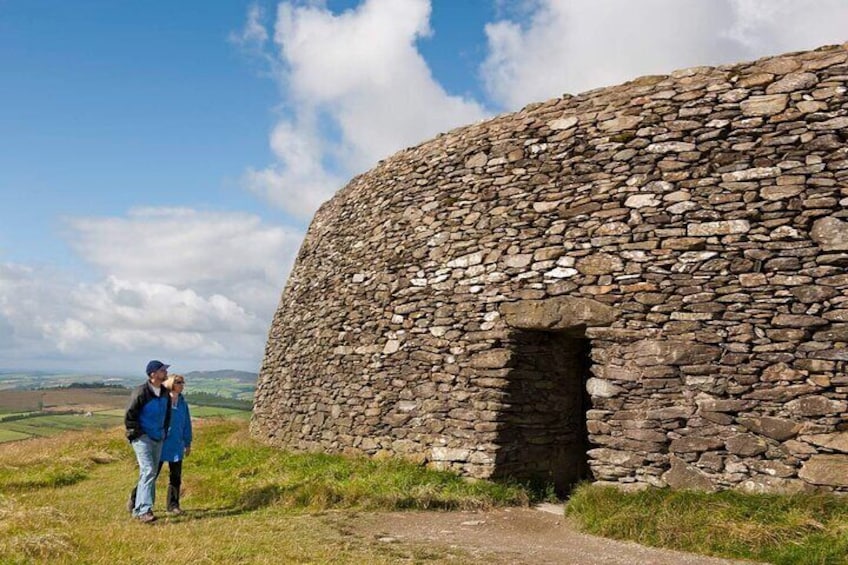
543 436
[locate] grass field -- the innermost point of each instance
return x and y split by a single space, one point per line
11 435
802 529
92 408
82 400
218 412
63 499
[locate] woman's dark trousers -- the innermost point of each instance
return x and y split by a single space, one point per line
175 479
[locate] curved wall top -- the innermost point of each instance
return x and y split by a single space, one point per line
692 227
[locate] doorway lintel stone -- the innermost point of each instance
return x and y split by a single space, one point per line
558 313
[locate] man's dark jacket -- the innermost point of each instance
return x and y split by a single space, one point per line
144 412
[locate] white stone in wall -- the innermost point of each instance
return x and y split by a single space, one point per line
449 454
670 147
477 160
602 388
543 207
833 123
781 192
518 261
792 82
785 232
831 233
620 123
765 105
696 256
467 260
752 174
561 273
563 123
682 207
691 316
718 228
641 201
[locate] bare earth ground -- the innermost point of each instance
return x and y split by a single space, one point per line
514 536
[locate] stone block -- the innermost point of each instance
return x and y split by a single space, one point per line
449 454
833 442
827 470
746 445
599 264
491 359
725 227
671 352
683 476
763 484
830 233
601 388
816 405
615 457
765 105
695 444
557 313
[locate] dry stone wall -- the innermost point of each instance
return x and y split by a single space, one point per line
682 238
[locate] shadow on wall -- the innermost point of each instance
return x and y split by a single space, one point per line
543 437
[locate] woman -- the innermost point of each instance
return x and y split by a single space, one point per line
177 443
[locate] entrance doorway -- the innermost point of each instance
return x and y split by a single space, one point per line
543 437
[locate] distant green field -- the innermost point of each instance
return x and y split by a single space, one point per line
10 435
197 412
218 412
47 412
46 425
50 425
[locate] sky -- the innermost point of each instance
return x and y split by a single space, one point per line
160 161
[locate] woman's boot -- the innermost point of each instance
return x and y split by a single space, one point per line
174 500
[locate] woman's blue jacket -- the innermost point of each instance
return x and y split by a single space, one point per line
179 433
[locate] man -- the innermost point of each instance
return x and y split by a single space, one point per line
146 420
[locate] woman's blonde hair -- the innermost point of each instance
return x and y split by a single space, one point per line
169 382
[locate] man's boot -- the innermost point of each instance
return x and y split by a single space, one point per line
131 501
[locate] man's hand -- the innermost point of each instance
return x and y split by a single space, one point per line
188 450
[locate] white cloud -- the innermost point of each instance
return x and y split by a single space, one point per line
777 26
254 31
573 46
356 90
298 183
208 251
199 288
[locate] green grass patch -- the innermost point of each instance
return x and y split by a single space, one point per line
11 435
780 529
204 398
242 473
47 425
218 412
63 502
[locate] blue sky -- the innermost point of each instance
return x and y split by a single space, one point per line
160 161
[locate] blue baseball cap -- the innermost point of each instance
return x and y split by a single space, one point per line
155 365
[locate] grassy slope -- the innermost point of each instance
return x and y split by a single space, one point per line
784 530
63 499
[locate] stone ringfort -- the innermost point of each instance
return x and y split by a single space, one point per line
640 285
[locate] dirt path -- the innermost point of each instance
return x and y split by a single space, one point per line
515 536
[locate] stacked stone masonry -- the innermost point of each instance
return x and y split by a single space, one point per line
676 245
